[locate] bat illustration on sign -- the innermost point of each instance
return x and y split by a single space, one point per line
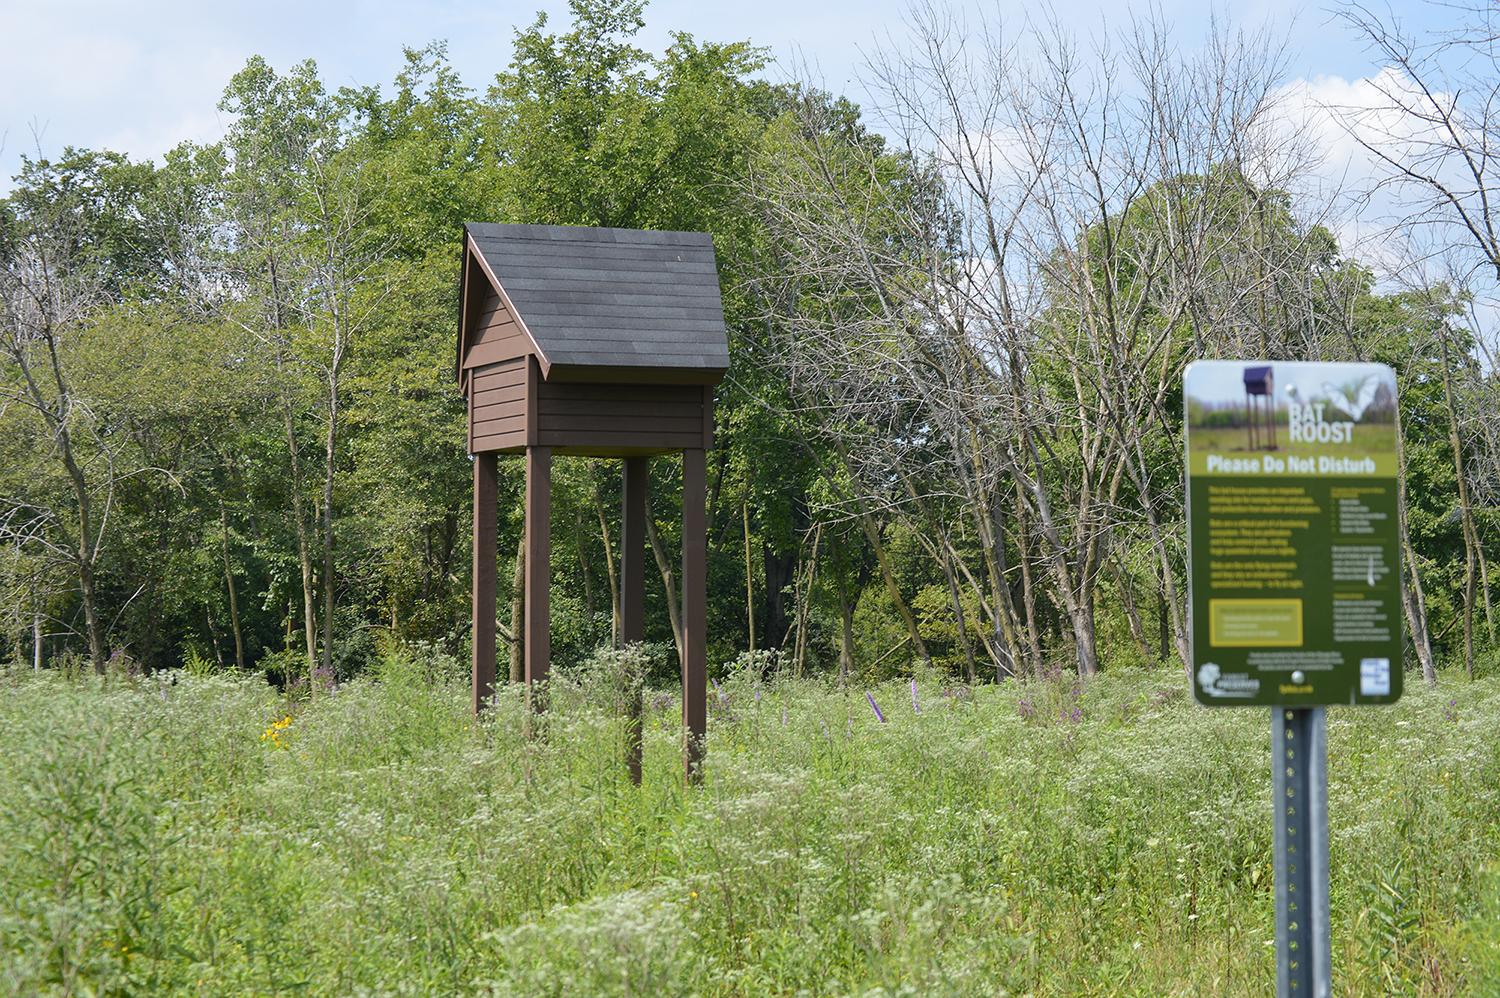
1356 397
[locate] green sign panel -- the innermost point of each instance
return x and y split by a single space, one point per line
1294 565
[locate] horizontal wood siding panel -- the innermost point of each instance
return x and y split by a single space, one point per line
493 405
618 409
607 439
610 416
584 391
494 334
493 313
505 424
625 424
495 351
499 441
497 407
501 376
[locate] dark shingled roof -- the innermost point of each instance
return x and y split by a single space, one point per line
595 297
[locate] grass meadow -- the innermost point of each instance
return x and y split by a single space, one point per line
207 836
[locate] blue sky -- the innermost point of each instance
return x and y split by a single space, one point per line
141 76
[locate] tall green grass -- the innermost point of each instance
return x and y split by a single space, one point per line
1029 839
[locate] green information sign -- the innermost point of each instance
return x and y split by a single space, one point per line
1292 533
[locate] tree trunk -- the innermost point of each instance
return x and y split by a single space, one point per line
330 455
91 613
609 564
213 635
804 603
780 570
36 642
958 616
583 566
1127 601
1163 639
234 603
749 581
1415 601
873 536
518 613
1028 587
1006 624
846 632
84 551
1466 514
668 581
304 542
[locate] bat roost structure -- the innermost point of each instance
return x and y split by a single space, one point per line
601 343
1260 419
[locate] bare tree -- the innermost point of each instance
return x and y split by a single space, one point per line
994 339
1432 131
49 294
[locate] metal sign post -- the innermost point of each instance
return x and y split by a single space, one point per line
1299 781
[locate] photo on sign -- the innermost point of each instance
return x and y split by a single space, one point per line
1238 414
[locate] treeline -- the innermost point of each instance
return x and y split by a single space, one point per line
951 433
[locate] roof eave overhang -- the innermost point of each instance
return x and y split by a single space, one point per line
615 373
472 253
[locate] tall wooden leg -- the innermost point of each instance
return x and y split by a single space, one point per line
694 611
538 644
633 592
486 485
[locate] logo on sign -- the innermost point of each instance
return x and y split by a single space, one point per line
1216 683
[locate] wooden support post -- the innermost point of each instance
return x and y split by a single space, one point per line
633 592
538 643
694 611
486 485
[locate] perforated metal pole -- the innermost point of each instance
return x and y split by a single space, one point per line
1299 781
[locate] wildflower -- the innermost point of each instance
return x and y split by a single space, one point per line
915 705
875 706
273 733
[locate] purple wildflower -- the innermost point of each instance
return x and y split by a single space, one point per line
1026 708
825 729
757 694
717 691
916 706
875 706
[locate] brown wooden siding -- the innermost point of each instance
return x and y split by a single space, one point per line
497 407
620 418
494 335
584 418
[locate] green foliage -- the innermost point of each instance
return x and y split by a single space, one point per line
203 355
1033 838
